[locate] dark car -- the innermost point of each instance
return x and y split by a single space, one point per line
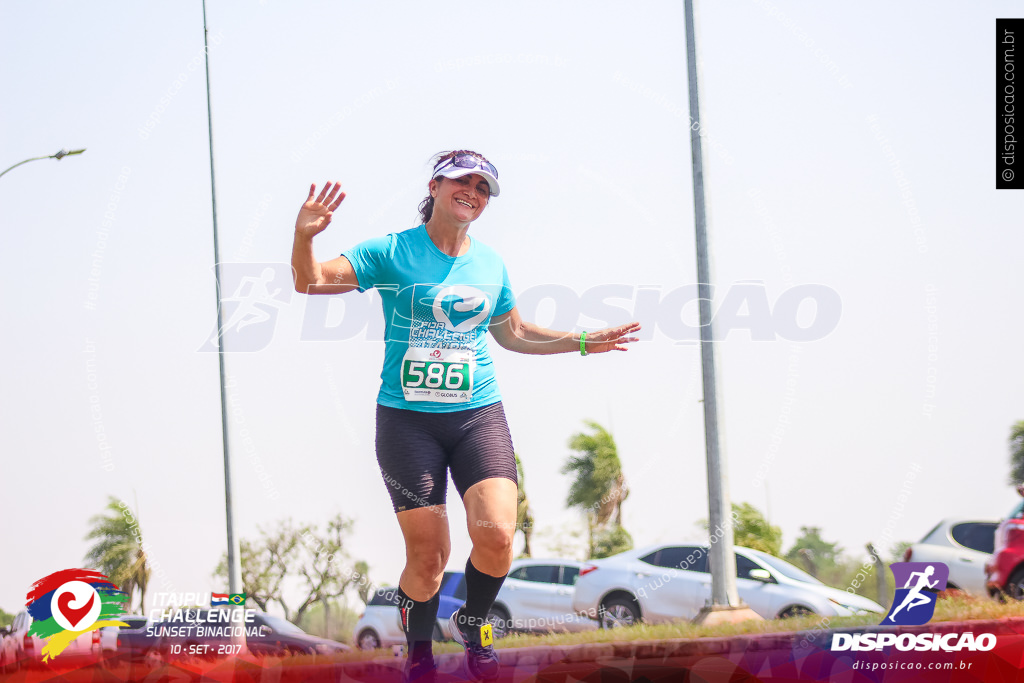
279 637
206 633
135 641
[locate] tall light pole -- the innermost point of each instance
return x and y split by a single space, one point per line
58 156
725 602
234 556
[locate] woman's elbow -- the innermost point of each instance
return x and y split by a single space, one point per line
504 337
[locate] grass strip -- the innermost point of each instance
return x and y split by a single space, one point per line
956 607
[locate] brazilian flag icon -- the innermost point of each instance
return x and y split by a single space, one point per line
237 598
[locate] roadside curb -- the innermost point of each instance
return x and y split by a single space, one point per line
757 657
685 648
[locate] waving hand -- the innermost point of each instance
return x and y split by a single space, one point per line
315 214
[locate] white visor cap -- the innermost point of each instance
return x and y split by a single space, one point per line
449 170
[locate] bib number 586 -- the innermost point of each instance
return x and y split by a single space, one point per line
435 375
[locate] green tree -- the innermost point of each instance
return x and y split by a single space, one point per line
817 556
324 571
751 529
524 517
364 589
1017 453
5 618
303 555
338 627
265 564
118 550
600 486
862 576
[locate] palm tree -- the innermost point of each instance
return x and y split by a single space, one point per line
1017 453
119 551
599 488
524 518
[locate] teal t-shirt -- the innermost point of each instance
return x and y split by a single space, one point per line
436 312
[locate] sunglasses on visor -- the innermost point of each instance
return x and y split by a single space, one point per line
467 161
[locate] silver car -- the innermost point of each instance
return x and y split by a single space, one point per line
537 596
963 545
671 582
381 624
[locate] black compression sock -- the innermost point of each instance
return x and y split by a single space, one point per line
418 621
481 589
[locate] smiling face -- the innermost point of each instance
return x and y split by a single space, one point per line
460 199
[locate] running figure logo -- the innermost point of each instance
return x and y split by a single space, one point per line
249 315
914 603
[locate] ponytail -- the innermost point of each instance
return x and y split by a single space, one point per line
427 208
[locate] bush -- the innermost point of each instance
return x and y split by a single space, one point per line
611 541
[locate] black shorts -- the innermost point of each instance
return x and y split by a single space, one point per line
415 450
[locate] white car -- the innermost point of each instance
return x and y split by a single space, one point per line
671 582
537 596
381 624
963 545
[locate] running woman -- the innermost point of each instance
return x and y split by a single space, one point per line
439 409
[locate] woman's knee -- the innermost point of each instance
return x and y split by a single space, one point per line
427 543
493 538
426 560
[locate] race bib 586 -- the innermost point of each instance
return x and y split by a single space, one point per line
439 375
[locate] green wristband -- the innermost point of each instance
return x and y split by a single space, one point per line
583 343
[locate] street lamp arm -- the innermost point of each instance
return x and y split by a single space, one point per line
58 156
23 162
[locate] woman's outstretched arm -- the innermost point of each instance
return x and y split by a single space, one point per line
515 334
311 276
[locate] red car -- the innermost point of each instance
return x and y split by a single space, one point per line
1005 572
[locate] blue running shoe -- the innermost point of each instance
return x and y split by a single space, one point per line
481 660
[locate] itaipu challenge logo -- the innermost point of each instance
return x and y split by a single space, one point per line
68 603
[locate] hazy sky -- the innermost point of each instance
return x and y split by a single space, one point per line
850 167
